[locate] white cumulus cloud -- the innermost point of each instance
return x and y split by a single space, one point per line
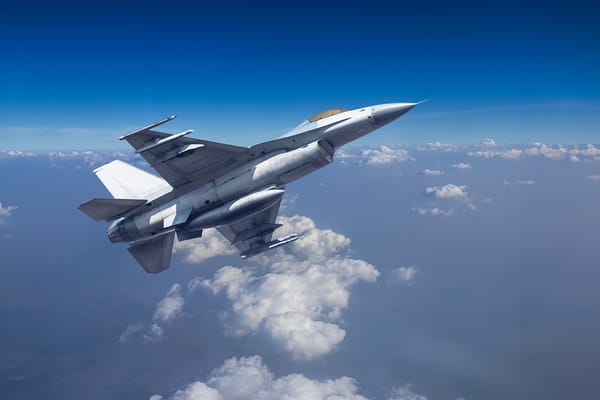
589 152
170 306
432 172
437 146
6 211
488 142
462 166
248 378
511 154
17 153
403 274
404 393
538 149
525 182
294 296
129 331
385 155
167 309
211 244
89 157
541 149
433 211
447 191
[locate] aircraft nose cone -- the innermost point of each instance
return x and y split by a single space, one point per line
386 113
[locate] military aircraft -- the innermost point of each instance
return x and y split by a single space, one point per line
205 184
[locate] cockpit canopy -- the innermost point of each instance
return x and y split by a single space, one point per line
326 113
323 114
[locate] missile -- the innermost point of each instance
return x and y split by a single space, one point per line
146 128
237 209
269 245
163 141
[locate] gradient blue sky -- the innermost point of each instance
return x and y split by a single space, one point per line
79 75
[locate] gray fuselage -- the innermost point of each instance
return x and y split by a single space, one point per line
305 149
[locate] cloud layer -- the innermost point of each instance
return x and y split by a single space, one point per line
293 297
370 156
248 378
538 149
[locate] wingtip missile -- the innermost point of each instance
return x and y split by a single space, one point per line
154 125
269 246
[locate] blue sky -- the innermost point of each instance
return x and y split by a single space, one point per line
78 76
450 271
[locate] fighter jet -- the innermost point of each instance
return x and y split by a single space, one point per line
204 184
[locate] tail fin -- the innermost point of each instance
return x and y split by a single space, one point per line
154 255
124 181
109 209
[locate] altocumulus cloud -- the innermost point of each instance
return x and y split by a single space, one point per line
248 378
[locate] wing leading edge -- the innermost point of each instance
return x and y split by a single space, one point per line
181 160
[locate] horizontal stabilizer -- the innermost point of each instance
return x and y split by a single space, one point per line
154 255
124 181
109 209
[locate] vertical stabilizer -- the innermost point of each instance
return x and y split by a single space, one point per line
124 181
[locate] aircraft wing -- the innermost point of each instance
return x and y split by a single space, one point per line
180 160
253 232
